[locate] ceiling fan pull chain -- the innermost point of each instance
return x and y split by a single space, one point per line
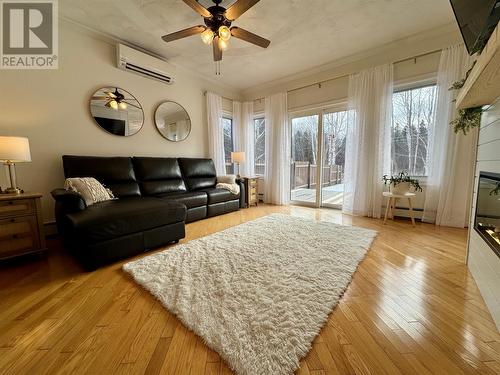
218 68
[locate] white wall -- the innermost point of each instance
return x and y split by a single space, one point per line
483 263
51 108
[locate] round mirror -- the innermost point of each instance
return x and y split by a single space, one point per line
116 111
172 121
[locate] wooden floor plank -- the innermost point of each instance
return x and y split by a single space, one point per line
411 308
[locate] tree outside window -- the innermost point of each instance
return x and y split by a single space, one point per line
413 120
227 129
259 126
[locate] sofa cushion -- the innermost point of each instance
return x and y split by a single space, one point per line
222 208
220 195
158 175
198 173
189 198
106 220
116 173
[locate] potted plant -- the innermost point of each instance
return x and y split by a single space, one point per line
401 183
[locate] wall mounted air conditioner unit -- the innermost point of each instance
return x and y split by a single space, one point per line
147 66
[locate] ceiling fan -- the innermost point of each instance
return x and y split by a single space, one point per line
217 30
115 100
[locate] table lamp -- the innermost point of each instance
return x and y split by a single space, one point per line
238 157
14 150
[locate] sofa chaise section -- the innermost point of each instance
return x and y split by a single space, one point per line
107 231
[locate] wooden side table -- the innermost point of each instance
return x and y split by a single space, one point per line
251 190
21 225
391 204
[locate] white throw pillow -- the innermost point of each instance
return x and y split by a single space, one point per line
227 179
91 190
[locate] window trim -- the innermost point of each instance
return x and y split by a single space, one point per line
424 80
328 106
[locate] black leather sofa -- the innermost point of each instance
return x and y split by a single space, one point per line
156 196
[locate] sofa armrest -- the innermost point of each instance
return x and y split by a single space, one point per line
69 200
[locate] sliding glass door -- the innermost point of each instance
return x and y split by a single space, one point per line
317 160
333 152
303 174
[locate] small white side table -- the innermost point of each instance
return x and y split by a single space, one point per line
391 204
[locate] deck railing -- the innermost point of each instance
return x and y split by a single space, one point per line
303 175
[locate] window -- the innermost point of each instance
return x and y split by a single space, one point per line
335 126
259 126
413 116
227 128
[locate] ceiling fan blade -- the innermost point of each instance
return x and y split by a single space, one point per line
184 33
198 8
217 50
249 37
238 8
100 97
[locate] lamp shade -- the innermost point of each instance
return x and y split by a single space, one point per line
238 157
15 149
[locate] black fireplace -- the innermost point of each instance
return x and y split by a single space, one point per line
487 220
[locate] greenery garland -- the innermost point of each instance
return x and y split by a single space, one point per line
468 118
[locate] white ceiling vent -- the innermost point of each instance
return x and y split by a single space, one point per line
147 66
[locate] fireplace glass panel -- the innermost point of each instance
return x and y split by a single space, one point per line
487 221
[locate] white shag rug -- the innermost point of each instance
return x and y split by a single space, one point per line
257 293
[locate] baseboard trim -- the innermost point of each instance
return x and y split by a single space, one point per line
405 212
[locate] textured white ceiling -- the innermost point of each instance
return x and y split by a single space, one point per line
303 33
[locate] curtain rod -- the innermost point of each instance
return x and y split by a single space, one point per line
223 97
346 75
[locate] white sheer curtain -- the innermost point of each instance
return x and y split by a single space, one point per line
238 126
243 134
368 141
451 156
215 133
276 179
247 142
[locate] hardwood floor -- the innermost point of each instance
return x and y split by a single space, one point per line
412 308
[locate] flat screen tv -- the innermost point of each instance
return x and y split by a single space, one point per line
477 19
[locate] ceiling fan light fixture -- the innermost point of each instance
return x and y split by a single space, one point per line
223 44
224 33
207 36
122 105
113 104
217 29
